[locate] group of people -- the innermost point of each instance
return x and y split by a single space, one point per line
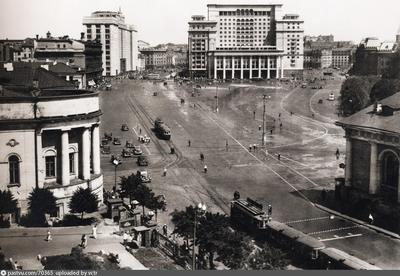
84 241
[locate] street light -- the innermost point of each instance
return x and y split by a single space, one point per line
116 163
265 97
216 98
201 208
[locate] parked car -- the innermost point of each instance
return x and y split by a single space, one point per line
142 161
106 150
117 141
108 86
137 150
331 97
129 145
126 153
108 136
124 127
144 176
144 139
116 157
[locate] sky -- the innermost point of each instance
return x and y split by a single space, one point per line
162 21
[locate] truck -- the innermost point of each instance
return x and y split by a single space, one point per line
161 129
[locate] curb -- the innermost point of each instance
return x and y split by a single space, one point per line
363 223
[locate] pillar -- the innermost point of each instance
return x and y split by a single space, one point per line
85 154
241 68
348 162
281 66
40 160
373 171
259 67
215 67
268 68
65 179
96 150
233 67
224 68
251 68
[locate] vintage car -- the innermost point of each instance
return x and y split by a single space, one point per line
142 161
331 97
124 127
108 136
145 177
129 145
137 150
106 149
108 86
117 141
144 139
126 153
104 142
117 158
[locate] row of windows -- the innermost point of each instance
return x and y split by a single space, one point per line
243 12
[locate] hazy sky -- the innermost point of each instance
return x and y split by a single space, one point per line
160 21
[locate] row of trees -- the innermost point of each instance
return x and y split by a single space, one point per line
133 188
42 202
218 241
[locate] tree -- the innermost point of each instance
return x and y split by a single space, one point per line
83 201
384 88
268 258
184 222
129 185
143 195
211 233
41 202
157 203
8 204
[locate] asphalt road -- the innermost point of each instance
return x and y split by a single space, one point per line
306 141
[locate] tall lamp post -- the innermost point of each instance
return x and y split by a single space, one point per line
216 98
265 97
116 163
200 209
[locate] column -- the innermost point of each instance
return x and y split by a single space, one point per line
259 67
268 68
251 67
281 65
373 169
96 150
39 160
215 67
233 67
241 68
278 61
224 68
348 162
85 154
65 179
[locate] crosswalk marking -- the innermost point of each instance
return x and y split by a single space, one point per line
334 230
306 220
340 238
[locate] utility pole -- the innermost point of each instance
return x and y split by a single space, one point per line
263 124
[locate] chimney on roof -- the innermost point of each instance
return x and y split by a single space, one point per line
82 36
8 67
48 35
37 37
45 66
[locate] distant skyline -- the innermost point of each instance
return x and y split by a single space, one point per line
163 21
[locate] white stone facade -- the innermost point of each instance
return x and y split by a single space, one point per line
119 41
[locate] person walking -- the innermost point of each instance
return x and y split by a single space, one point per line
202 157
48 238
84 241
124 238
205 168
370 219
226 145
165 172
189 143
94 231
337 154
279 156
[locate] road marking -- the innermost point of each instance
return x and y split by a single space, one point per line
245 165
261 162
306 220
334 230
340 238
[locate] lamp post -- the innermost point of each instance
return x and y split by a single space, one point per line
216 98
116 163
265 97
201 208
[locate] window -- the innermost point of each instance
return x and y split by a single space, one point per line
13 162
72 163
50 166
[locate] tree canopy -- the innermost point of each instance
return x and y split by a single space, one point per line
41 202
8 204
83 201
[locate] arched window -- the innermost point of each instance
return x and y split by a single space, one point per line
13 162
390 171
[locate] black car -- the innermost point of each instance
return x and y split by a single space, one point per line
142 161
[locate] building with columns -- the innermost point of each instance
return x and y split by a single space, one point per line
245 42
49 136
119 41
372 150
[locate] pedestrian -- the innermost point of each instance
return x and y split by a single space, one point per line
49 238
94 231
279 115
279 156
280 125
269 210
259 127
312 115
370 219
165 230
125 238
226 145
84 241
337 154
201 157
254 147
140 130
254 114
205 168
189 143
291 113
165 172
250 148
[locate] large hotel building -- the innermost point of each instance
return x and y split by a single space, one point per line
119 41
245 42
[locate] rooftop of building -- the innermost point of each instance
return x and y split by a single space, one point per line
243 5
368 118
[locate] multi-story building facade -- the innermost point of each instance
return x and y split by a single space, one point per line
245 42
49 134
16 50
119 41
342 57
155 58
317 58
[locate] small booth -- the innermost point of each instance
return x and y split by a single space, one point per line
113 210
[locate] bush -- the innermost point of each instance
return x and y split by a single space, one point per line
73 220
4 223
30 220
